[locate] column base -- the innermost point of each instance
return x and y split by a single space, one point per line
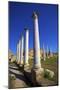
18 63
27 73
44 59
36 75
21 67
36 66
26 66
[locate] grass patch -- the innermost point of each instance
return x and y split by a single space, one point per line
51 64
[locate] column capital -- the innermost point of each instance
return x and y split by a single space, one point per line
35 15
25 28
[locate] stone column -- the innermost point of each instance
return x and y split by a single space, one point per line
27 70
26 47
37 71
44 53
17 52
37 63
47 52
21 58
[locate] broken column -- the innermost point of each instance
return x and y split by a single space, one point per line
36 70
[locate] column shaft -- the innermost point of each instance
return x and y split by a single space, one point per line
47 51
36 43
19 50
26 47
21 58
44 54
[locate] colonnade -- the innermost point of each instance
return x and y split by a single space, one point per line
24 60
23 47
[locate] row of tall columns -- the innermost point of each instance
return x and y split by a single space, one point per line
20 45
37 63
37 71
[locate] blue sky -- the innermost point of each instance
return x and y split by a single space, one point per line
20 16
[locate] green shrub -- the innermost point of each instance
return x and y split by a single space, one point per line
12 81
47 75
12 77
